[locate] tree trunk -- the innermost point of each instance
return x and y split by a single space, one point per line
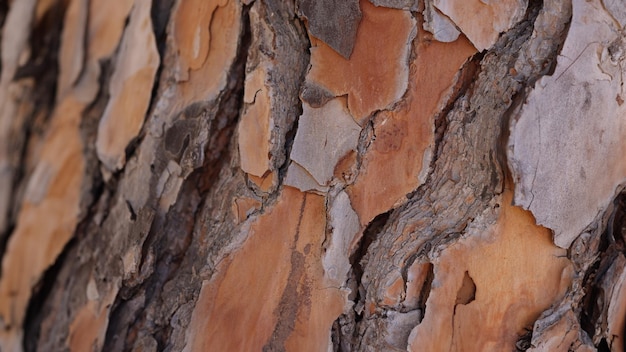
374 175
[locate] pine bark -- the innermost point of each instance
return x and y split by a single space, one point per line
373 175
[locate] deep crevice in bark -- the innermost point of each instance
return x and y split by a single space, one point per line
524 342
344 331
160 13
426 288
4 9
370 234
34 316
594 311
603 346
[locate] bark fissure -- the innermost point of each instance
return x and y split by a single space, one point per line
602 270
34 316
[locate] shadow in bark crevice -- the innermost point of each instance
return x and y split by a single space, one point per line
35 313
612 245
345 331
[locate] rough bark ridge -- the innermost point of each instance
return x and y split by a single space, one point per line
234 175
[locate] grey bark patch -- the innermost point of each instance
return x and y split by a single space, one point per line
442 28
334 22
576 106
397 4
315 95
324 136
177 138
617 10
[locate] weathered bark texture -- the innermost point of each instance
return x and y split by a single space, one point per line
317 175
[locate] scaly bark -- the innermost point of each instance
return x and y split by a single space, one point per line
193 175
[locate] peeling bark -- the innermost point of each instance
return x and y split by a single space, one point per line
383 175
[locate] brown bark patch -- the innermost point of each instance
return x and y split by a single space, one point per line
513 271
399 156
279 267
375 76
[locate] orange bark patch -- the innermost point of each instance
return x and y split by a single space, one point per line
488 287
192 31
375 76
394 293
106 25
204 58
254 127
393 164
278 270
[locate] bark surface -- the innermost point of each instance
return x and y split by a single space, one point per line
362 175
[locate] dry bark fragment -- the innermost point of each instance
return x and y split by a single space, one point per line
442 28
375 75
193 23
397 4
483 21
511 257
254 128
273 74
334 22
405 135
577 106
192 31
325 135
136 67
288 238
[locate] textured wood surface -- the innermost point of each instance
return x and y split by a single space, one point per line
245 175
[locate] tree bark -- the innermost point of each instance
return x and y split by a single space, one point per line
373 175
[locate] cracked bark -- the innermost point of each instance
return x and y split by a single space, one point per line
262 175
